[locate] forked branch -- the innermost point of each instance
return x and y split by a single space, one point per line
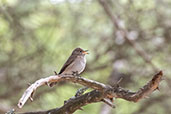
101 92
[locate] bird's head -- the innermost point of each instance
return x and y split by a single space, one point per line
79 51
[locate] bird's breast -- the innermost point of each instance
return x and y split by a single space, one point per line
80 64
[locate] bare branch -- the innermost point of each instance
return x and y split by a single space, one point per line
57 78
101 92
143 92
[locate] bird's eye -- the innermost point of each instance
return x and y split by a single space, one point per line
80 51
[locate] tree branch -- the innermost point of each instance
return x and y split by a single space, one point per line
101 92
57 78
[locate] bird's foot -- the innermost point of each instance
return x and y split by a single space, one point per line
75 73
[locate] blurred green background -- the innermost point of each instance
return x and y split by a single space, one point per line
37 36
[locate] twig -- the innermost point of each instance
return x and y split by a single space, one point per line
108 102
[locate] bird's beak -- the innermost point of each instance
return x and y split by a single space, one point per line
85 52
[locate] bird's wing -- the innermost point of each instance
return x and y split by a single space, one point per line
67 63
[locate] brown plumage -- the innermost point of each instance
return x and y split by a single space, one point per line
76 52
75 63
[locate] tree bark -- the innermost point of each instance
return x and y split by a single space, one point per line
101 92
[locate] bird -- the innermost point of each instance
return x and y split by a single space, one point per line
75 64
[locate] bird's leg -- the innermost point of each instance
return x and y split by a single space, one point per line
75 73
